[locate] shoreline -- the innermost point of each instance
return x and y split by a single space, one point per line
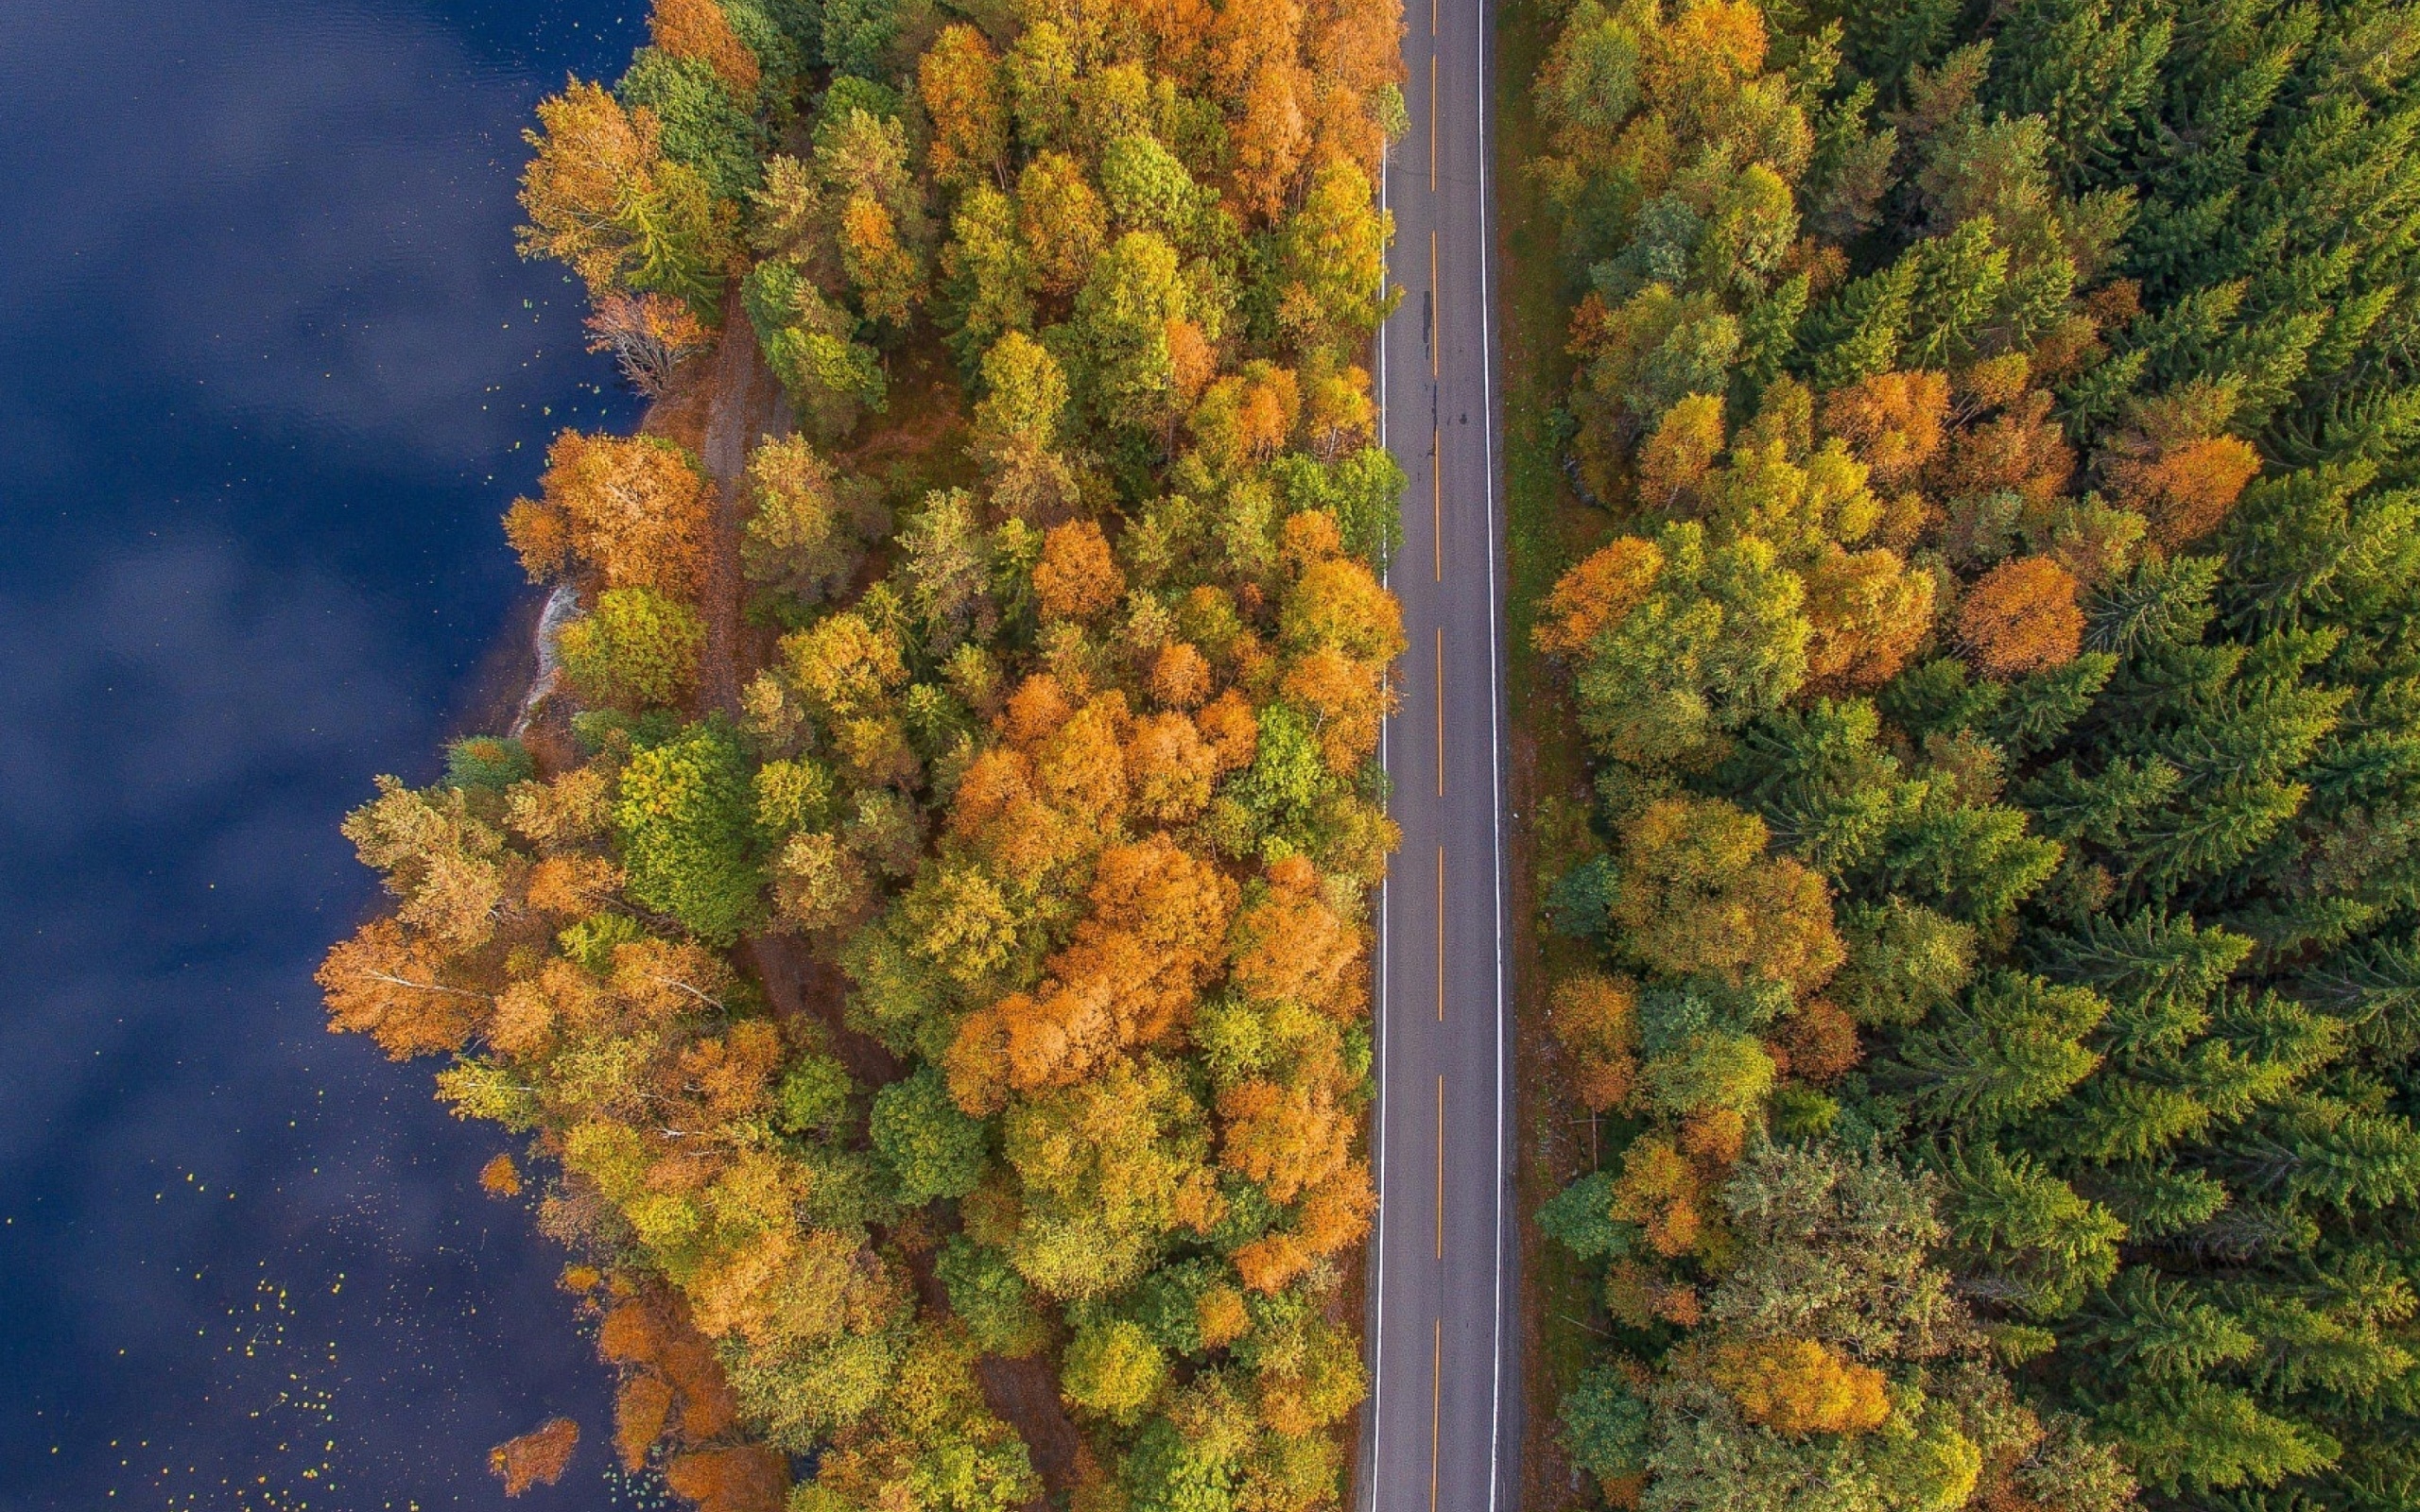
490 696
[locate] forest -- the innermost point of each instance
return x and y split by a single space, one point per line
919 946
1998 990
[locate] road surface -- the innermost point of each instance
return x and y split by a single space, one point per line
1442 1429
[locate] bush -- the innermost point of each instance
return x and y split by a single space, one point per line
487 763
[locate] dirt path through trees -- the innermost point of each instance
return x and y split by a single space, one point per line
743 402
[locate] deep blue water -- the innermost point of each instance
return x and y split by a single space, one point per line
269 373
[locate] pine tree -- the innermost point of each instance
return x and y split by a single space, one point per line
2151 1327
2030 1243
2085 67
2013 1045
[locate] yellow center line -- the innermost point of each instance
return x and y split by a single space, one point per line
1441 711
1436 1394
1436 506
1441 933
1432 18
1441 1167
1432 123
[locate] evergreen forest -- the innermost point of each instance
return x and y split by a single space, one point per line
2002 685
919 939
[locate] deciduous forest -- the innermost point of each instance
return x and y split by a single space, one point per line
921 940
2001 680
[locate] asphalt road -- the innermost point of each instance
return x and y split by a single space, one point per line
1442 1429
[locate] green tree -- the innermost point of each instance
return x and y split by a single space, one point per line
1166 1471
1719 640
930 1148
684 821
993 1300
2030 1242
704 127
637 650
1903 961
814 1096
489 763
2201 1436
2155 1329
1114 1369
1123 314
1580 1218
987 277
809 343
1605 1425
2013 1045
1149 189
858 35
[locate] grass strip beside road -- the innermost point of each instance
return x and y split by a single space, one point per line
1547 529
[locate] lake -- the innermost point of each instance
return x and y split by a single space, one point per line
269 373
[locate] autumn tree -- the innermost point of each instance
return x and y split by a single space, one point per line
635 510
1866 615
603 199
2022 616
1062 220
698 30
1799 1386
2175 465
1077 578
1593 1016
958 77
650 336
538 1457
1698 895
1600 590
802 534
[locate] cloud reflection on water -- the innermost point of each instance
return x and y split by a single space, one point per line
263 347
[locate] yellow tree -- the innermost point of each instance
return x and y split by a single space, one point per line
1866 614
1800 1387
634 508
1687 443
603 199
1595 1018
1892 420
1698 896
885 274
959 78
1062 220
593 159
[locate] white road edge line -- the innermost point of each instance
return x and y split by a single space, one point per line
1495 748
1378 1050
